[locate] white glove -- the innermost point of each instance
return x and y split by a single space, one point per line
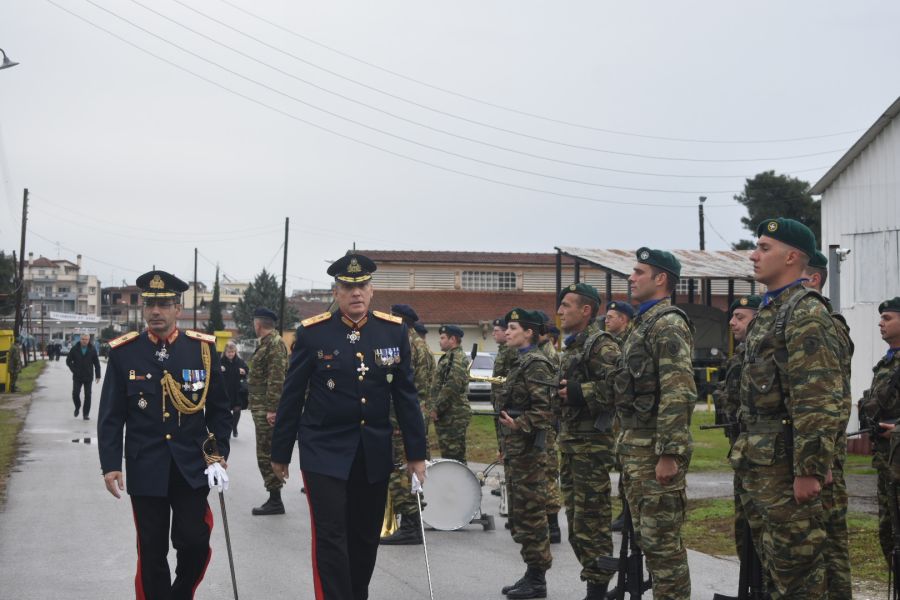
216 476
416 486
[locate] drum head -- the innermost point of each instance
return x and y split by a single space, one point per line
452 494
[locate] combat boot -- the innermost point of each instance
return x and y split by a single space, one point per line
508 588
408 534
533 586
272 506
596 591
618 523
553 526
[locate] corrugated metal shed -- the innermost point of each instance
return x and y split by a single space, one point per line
698 264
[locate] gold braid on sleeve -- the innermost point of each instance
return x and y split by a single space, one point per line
171 390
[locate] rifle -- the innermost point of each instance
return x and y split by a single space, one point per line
630 564
894 572
871 425
750 580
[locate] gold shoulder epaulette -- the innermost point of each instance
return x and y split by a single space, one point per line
387 317
203 337
123 339
320 318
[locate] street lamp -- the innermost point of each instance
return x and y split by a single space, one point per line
6 62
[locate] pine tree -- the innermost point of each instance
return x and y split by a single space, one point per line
264 291
215 323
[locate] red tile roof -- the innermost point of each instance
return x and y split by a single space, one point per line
43 263
479 258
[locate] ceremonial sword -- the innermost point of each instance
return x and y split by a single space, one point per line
417 490
215 455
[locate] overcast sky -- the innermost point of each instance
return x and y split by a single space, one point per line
465 125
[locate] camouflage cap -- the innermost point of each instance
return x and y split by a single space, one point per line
751 302
622 307
791 232
525 318
892 305
659 259
818 261
582 289
451 330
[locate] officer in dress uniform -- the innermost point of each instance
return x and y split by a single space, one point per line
164 388
354 362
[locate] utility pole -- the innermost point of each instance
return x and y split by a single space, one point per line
195 289
287 221
702 232
20 287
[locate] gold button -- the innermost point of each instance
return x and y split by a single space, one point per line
363 400
166 415
168 436
360 377
363 422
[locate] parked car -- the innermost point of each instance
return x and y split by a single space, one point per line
483 366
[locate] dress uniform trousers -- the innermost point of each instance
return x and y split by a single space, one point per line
191 526
346 520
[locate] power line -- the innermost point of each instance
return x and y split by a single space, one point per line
363 142
420 105
97 260
716 231
517 111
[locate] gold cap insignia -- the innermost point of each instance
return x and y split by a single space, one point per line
354 267
772 226
573 287
157 283
514 316
645 255
744 302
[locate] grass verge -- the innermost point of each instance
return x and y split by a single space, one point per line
13 408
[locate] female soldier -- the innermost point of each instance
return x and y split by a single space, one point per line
525 418
234 376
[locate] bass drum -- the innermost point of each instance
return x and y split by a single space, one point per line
452 493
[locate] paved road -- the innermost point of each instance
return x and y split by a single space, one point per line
63 536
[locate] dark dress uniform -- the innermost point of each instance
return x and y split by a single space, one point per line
163 448
353 371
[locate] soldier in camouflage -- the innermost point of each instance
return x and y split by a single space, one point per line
400 486
264 381
585 412
655 396
791 411
727 398
554 496
525 418
617 322
15 364
834 493
881 402
449 408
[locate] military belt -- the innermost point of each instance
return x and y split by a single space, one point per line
773 424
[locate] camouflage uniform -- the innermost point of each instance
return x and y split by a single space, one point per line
791 396
655 397
504 360
15 365
882 401
554 497
265 380
834 496
423 367
450 401
524 460
587 451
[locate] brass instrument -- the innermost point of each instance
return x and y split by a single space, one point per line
390 524
487 379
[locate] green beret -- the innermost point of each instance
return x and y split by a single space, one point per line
582 289
892 305
791 232
818 261
526 318
751 302
660 259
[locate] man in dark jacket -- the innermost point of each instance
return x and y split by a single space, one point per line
83 362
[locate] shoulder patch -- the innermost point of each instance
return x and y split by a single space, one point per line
203 337
320 318
387 317
123 339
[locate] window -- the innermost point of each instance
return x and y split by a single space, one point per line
682 287
41 272
488 280
62 290
92 290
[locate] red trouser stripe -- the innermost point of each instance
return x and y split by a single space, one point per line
320 595
138 580
208 519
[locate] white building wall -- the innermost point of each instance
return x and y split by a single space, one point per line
861 212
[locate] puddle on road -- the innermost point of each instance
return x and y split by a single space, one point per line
47 430
86 440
